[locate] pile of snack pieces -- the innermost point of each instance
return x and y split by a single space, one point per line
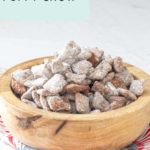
77 81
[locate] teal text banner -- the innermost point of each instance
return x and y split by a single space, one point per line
54 10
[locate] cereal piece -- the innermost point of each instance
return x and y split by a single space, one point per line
100 71
109 77
37 70
55 84
96 57
127 94
71 97
82 103
67 68
73 108
36 98
107 90
117 104
48 65
93 60
91 70
126 76
95 111
28 83
87 82
75 88
113 90
137 87
98 86
39 82
69 55
44 92
97 52
85 55
90 96
28 93
22 75
47 72
109 59
118 82
56 66
57 103
81 67
44 103
117 98
76 78
99 102
17 87
74 48
29 102
118 64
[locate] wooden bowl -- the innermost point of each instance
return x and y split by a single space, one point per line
45 130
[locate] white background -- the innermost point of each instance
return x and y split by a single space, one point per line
121 27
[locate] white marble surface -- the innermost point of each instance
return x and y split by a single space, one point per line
121 27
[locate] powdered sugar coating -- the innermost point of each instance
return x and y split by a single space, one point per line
127 94
81 67
118 64
29 102
28 93
44 103
96 57
56 66
75 77
137 87
36 98
109 77
112 88
126 76
77 81
82 103
39 82
55 84
101 71
22 75
37 70
85 54
99 102
70 53
57 103
17 87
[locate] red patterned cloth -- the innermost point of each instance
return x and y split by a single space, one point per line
142 143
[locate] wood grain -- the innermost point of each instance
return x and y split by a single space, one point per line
57 131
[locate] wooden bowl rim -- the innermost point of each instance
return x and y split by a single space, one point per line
7 96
